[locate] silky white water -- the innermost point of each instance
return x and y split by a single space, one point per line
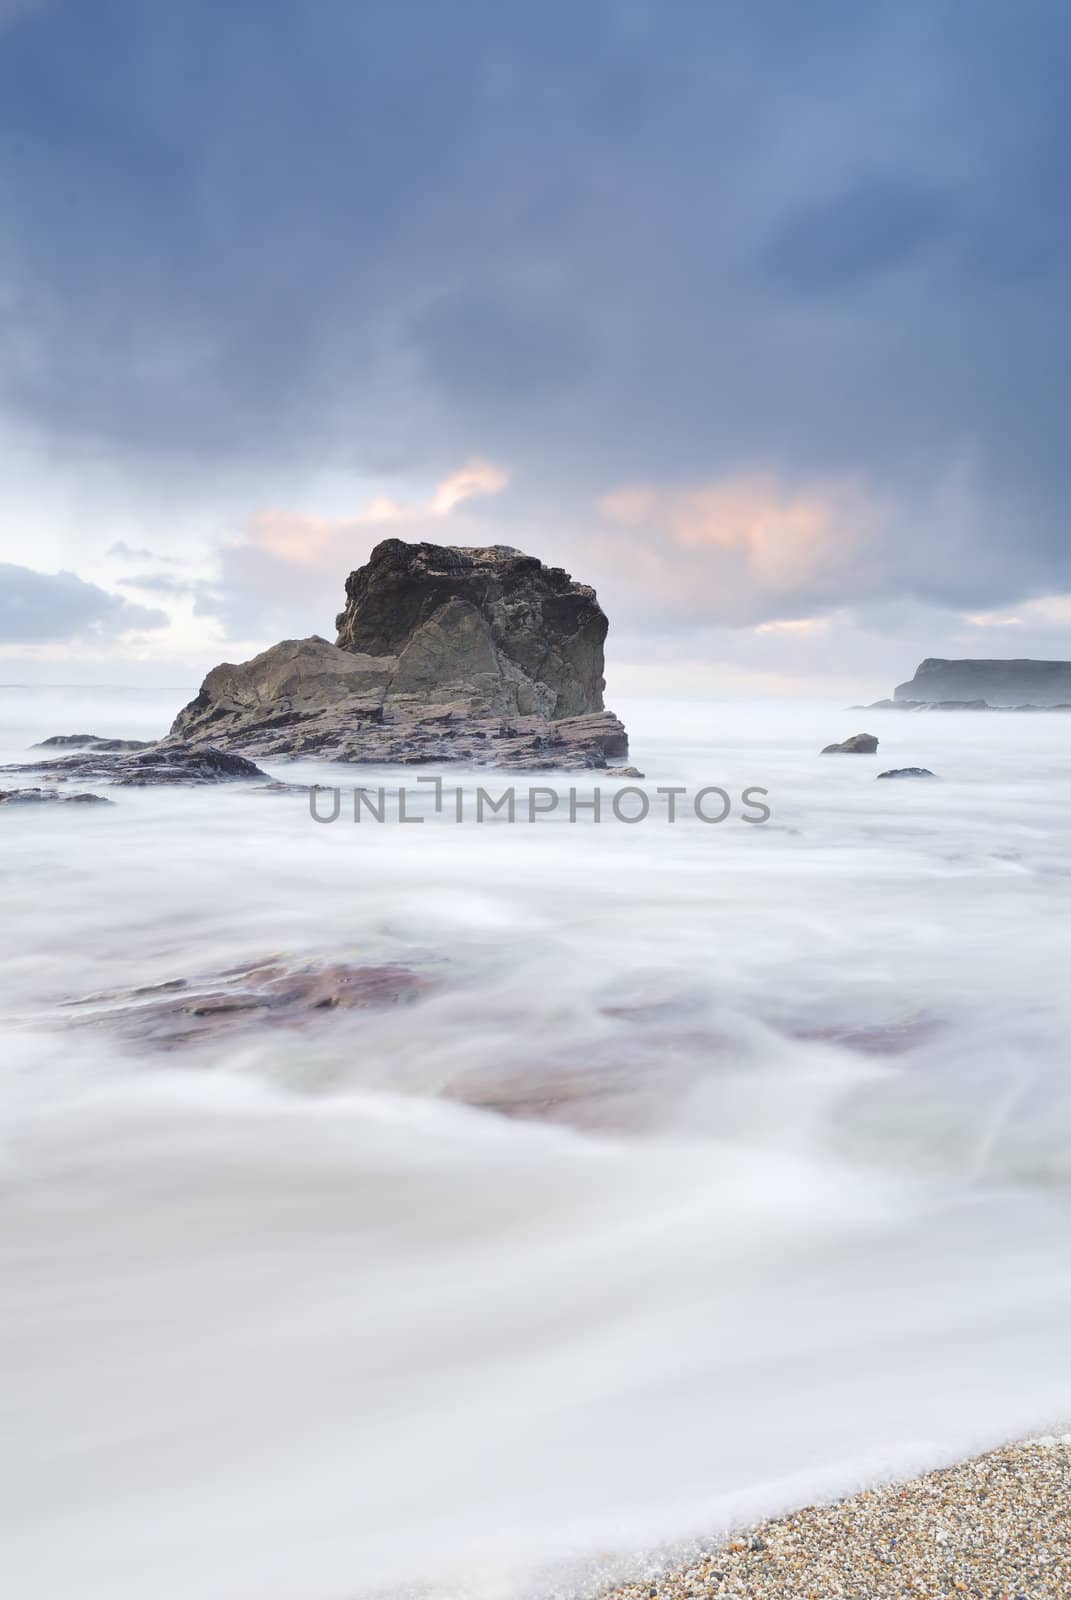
285 1318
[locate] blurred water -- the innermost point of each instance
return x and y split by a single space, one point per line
285 1317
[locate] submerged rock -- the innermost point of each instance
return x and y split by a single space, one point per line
191 1011
277 786
907 772
860 744
482 656
23 797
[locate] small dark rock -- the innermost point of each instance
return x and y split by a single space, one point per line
907 772
62 739
860 744
277 786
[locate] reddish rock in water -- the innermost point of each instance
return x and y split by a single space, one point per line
897 1038
191 1011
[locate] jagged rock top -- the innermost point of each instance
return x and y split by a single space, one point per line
494 625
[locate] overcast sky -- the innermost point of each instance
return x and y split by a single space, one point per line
752 314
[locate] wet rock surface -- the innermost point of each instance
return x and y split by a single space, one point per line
25 797
90 741
217 1006
860 744
635 1079
907 772
278 786
478 656
649 1051
157 764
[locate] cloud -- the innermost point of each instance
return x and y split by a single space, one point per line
286 571
473 479
742 550
121 551
634 245
1046 613
539 345
204 593
306 540
876 225
60 607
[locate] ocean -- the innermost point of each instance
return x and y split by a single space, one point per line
711 1167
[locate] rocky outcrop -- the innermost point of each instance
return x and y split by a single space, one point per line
26 797
160 764
860 744
491 626
979 684
943 705
90 741
482 656
907 772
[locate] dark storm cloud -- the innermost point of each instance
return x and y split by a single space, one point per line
60 607
606 243
878 224
538 350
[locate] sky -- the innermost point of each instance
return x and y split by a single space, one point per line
752 314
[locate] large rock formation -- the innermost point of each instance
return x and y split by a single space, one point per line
492 627
996 683
443 654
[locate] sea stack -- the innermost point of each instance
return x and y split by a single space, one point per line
443 653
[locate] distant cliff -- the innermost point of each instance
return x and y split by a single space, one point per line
998 683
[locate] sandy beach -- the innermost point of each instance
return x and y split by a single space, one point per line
996 1528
